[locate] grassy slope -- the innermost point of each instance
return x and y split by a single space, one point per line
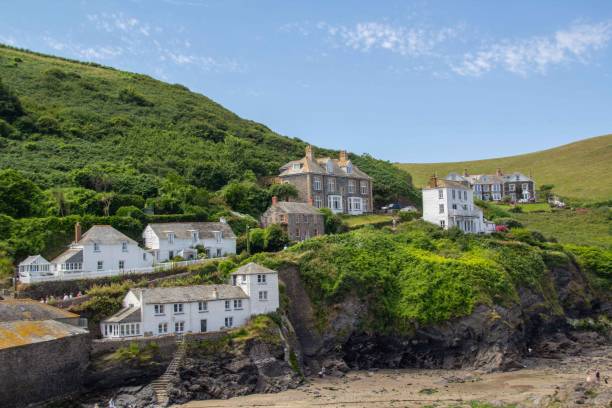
578 170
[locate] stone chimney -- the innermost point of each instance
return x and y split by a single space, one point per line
309 154
222 220
434 181
274 200
343 157
77 232
465 173
499 172
310 201
215 294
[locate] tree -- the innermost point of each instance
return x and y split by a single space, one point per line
283 191
19 197
10 106
245 197
547 191
332 222
275 238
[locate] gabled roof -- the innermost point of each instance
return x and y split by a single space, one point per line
290 207
252 269
71 255
185 294
319 166
182 230
29 309
435 182
34 259
129 314
104 234
22 333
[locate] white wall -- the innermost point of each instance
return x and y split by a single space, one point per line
472 214
163 247
252 288
110 255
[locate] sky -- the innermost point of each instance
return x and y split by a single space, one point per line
405 81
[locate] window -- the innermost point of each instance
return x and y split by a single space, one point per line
441 208
454 206
219 252
96 247
305 217
351 186
122 327
178 308
238 304
478 187
465 195
364 187
297 166
525 186
218 235
331 184
440 194
100 265
179 327
330 167
334 202
229 322
364 205
263 295
159 309
171 237
162 328
194 236
349 168
144 256
318 202
121 264
354 204
203 306
170 254
261 278
485 187
454 194
317 183
442 223
228 305
512 187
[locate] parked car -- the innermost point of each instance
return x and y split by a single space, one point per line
391 207
410 208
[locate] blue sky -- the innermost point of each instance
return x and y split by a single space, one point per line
420 81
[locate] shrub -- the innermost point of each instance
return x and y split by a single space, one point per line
47 124
130 95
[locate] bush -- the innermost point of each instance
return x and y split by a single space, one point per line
131 211
130 95
508 222
48 125
405 216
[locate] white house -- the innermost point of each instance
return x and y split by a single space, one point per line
35 265
101 248
168 240
195 309
449 203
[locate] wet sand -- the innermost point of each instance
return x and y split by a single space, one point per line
531 386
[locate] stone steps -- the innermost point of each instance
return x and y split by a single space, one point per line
160 386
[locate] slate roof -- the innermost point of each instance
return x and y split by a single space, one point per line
71 255
29 309
182 230
128 314
32 259
22 333
252 269
443 183
319 166
185 294
290 207
104 234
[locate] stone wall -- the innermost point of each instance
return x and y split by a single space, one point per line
42 371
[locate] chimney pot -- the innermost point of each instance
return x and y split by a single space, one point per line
465 173
309 154
77 232
499 172
343 156
274 200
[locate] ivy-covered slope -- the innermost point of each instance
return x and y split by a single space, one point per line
58 116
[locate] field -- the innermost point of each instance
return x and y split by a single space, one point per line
577 170
361 220
528 208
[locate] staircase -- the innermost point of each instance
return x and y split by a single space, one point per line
160 386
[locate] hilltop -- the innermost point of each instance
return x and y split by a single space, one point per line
63 123
577 170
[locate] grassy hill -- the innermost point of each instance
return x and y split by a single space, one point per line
578 170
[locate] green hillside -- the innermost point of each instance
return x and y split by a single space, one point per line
578 170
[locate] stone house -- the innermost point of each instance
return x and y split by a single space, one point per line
494 187
299 220
253 290
336 184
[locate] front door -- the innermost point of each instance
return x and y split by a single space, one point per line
203 326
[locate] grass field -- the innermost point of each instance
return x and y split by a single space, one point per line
528 208
361 220
588 227
577 170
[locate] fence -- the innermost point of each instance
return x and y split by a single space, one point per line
77 275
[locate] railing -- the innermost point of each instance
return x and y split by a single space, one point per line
77 275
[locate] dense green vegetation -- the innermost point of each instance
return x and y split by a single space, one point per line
421 274
81 139
576 169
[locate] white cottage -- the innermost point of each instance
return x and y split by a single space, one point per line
35 265
168 240
195 309
101 248
449 203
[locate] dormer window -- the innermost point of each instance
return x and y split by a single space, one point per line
349 168
330 167
297 166
96 247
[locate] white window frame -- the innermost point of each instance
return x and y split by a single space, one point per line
179 326
512 187
202 306
442 223
162 328
96 247
121 264
237 304
100 265
440 194
318 202
331 184
171 237
229 322
124 246
159 310
228 305
263 295
317 184
179 308
441 209
261 279
363 185
334 199
351 186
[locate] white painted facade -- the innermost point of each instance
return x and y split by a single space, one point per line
195 309
451 204
124 255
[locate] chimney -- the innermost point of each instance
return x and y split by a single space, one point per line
499 172
309 154
274 200
215 293
222 220
77 232
434 181
310 201
465 173
343 157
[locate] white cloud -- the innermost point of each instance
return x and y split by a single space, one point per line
406 41
537 54
118 22
80 51
8 40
